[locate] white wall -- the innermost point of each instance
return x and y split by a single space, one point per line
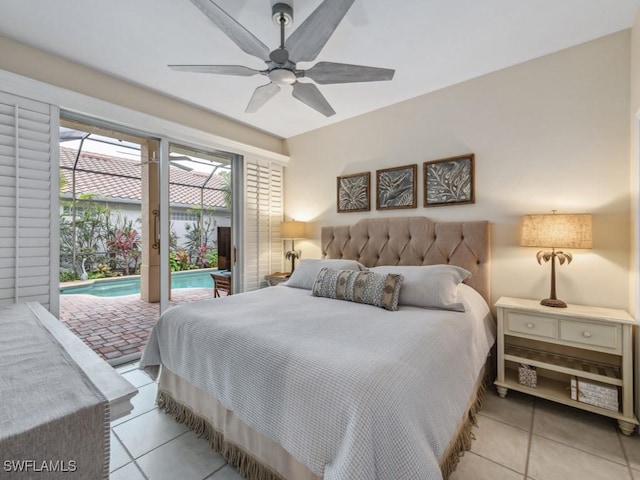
635 164
635 188
552 133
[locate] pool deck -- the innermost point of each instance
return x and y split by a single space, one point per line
118 327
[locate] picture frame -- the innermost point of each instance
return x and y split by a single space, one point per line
449 181
354 192
396 187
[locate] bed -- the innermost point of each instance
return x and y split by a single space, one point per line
294 382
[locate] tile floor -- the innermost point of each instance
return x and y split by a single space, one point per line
519 438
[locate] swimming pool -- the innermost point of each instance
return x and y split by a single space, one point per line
115 287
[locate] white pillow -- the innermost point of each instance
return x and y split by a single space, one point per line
429 286
304 276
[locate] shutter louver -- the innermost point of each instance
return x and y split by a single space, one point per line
263 250
25 201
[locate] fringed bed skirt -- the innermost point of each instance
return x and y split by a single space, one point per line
259 458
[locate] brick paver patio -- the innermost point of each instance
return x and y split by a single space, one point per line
117 327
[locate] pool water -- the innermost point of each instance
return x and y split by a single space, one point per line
115 287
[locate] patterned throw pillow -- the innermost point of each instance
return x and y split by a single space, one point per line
380 290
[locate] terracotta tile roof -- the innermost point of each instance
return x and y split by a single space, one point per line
101 180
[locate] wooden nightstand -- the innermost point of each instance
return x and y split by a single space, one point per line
590 343
277 278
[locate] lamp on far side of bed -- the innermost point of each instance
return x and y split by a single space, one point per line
556 231
293 230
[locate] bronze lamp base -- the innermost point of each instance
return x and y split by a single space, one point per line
553 302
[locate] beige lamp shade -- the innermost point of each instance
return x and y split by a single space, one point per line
557 231
292 230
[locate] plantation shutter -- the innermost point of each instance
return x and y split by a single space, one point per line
263 249
26 256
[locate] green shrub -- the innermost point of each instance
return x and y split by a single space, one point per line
101 271
67 275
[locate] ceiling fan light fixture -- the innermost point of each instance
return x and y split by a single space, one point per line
282 76
281 12
303 45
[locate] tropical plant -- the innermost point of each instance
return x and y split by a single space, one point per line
173 263
99 236
226 188
126 244
202 256
90 232
173 238
182 260
102 270
197 238
67 275
212 257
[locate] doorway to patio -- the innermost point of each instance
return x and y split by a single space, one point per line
109 228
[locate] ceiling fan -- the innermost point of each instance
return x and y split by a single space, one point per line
303 45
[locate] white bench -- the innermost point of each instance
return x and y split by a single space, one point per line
117 390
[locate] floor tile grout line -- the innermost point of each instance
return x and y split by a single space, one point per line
492 461
586 452
581 449
530 442
503 422
120 467
140 470
132 410
133 418
216 471
123 446
162 444
624 453
561 442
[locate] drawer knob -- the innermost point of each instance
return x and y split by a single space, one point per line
586 334
529 325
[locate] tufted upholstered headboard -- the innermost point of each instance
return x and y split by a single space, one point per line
414 241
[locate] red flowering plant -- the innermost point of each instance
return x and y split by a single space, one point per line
126 244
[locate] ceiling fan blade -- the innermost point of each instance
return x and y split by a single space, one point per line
261 96
309 94
232 29
217 69
329 72
307 40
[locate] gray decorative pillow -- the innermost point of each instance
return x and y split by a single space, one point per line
429 286
307 270
380 290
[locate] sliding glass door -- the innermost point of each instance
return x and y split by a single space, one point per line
200 222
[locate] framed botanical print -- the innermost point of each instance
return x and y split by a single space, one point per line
354 192
396 187
449 181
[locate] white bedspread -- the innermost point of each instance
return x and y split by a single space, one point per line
352 391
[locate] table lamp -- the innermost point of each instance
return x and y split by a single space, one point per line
556 231
293 230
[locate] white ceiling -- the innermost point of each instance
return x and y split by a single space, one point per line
430 43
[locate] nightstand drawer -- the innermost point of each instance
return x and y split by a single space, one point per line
530 325
598 335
